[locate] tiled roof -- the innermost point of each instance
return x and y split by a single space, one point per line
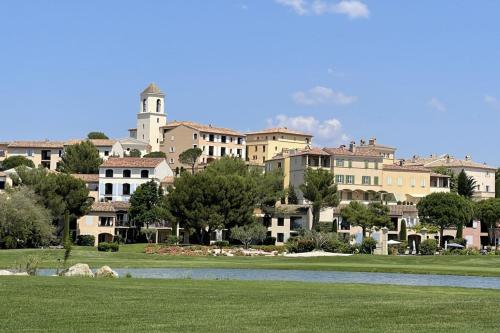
203 128
279 130
443 160
110 207
346 152
397 167
131 162
298 152
152 89
95 142
88 178
36 144
168 180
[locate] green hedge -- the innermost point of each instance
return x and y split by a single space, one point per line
108 247
85 240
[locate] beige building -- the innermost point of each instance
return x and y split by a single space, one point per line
42 153
3 150
215 142
483 174
264 145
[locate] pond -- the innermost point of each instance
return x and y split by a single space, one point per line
308 276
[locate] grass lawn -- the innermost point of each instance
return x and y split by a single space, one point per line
132 256
43 304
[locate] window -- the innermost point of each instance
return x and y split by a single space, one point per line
389 180
223 151
144 174
281 221
157 120
350 179
29 152
108 188
210 150
366 180
375 180
223 139
240 141
279 165
255 148
106 153
367 164
339 163
412 182
171 160
109 173
238 152
264 148
274 137
487 188
2 185
127 173
366 196
195 146
195 136
143 107
126 189
275 148
211 138
60 153
349 163
349 195
172 149
400 180
281 237
307 140
339 179
204 137
158 105
422 183
376 165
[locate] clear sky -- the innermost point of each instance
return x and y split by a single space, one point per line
423 76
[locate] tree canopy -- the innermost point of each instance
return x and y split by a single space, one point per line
374 214
155 154
190 157
444 210
23 221
497 183
250 233
146 204
448 172
466 185
81 158
97 135
15 161
292 195
320 190
134 153
488 211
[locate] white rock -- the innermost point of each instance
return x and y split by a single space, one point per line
21 274
78 270
3 272
105 272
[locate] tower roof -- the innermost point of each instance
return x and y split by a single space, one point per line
152 89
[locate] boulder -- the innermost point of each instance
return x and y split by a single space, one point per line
82 270
105 272
3 272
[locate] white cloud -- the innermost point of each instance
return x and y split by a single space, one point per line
491 100
436 104
352 8
322 95
326 132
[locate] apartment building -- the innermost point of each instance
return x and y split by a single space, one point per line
215 142
483 174
264 145
120 177
42 153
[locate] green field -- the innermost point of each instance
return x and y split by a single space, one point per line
43 304
132 256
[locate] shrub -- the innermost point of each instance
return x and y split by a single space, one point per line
497 252
270 248
221 243
85 240
367 245
402 247
106 247
336 245
173 240
269 241
428 247
300 244
461 241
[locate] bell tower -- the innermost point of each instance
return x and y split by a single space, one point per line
151 116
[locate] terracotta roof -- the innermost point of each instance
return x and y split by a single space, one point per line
203 128
36 144
311 151
95 142
88 178
397 167
152 89
168 180
346 152
279 130
110 207
131 162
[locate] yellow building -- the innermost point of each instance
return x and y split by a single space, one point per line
42 153
264 145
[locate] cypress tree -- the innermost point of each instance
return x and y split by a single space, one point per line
402 231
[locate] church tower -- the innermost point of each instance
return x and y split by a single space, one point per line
151 116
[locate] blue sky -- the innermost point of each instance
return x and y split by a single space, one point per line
420 75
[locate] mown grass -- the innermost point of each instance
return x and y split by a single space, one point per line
54 304
132 256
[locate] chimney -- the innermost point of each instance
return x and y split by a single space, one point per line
447 158
362 142
352 146
342 146
401 162
467 157
372 141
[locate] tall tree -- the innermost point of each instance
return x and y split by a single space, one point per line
292 195
190 157
269 186
379 214
96 135
15 161
448 172
374 214
319 188
466 185
488 211
82 158
146 204
497 183
444 210
402 231
155 154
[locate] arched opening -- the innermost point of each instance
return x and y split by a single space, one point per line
126 189
158 105
144 105
144 174
414 243
105 237
127 173
109 173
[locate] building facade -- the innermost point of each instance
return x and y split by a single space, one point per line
42 153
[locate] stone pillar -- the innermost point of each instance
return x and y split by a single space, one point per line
383 240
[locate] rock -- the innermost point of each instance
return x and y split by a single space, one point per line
3 272
105 272
78 270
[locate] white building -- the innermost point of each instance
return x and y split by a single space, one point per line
151 117
120 177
